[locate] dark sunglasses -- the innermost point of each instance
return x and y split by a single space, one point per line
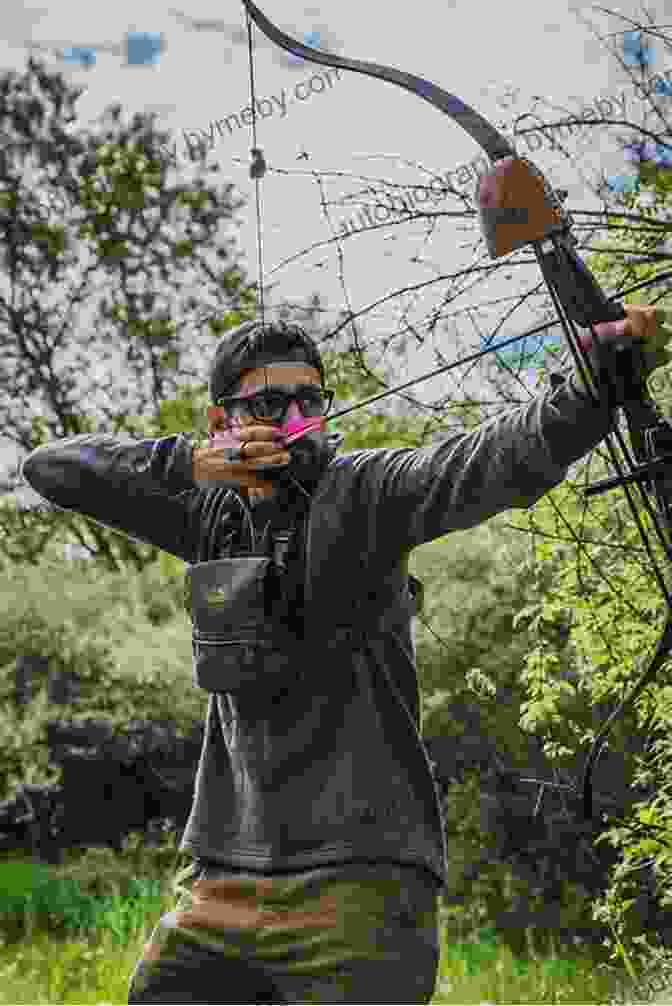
273 403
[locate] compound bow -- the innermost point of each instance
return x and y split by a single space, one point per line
518 207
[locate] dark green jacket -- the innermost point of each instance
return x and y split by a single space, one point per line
334 770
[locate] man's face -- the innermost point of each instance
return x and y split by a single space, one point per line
287 377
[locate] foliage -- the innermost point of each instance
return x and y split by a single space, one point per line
121 898
590 627
127 638
599 618
102 248
643 840
476 581
472 691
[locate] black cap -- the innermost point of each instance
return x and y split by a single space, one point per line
253 345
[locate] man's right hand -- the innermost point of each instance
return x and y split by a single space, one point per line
213 463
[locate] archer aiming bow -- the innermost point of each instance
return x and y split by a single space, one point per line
518 207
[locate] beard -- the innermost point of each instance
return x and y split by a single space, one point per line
309 458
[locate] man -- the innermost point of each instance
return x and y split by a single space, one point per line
315 829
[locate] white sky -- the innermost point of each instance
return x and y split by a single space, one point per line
475 48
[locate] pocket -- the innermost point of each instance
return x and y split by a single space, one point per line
237 643
235 665
399 903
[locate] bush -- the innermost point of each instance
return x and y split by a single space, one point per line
123 638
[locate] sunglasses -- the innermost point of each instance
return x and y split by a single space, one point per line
272 403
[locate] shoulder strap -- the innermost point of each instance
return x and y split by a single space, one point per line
283 529
212 515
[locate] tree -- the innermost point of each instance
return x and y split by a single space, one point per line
115 279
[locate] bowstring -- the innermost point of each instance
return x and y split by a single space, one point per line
257 172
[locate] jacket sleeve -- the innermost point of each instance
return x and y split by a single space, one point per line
143 488
412 496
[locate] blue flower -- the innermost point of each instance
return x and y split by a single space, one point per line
85 57
622 183
143 48
635 51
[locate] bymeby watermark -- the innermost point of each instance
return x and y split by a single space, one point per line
198 142
387 205
466 175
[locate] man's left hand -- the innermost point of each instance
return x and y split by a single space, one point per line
643 324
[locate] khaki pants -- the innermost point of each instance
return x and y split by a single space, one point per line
357 933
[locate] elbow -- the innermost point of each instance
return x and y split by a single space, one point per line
31 471
45 473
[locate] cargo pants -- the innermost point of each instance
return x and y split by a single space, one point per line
356 933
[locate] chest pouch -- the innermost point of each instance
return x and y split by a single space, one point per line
237 639
243 635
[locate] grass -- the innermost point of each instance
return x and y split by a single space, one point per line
73 934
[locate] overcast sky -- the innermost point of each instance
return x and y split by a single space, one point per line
494 56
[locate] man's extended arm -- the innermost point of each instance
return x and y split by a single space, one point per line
412 496
143 488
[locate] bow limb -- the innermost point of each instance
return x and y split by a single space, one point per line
488 138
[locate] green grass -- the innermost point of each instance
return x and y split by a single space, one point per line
73 935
